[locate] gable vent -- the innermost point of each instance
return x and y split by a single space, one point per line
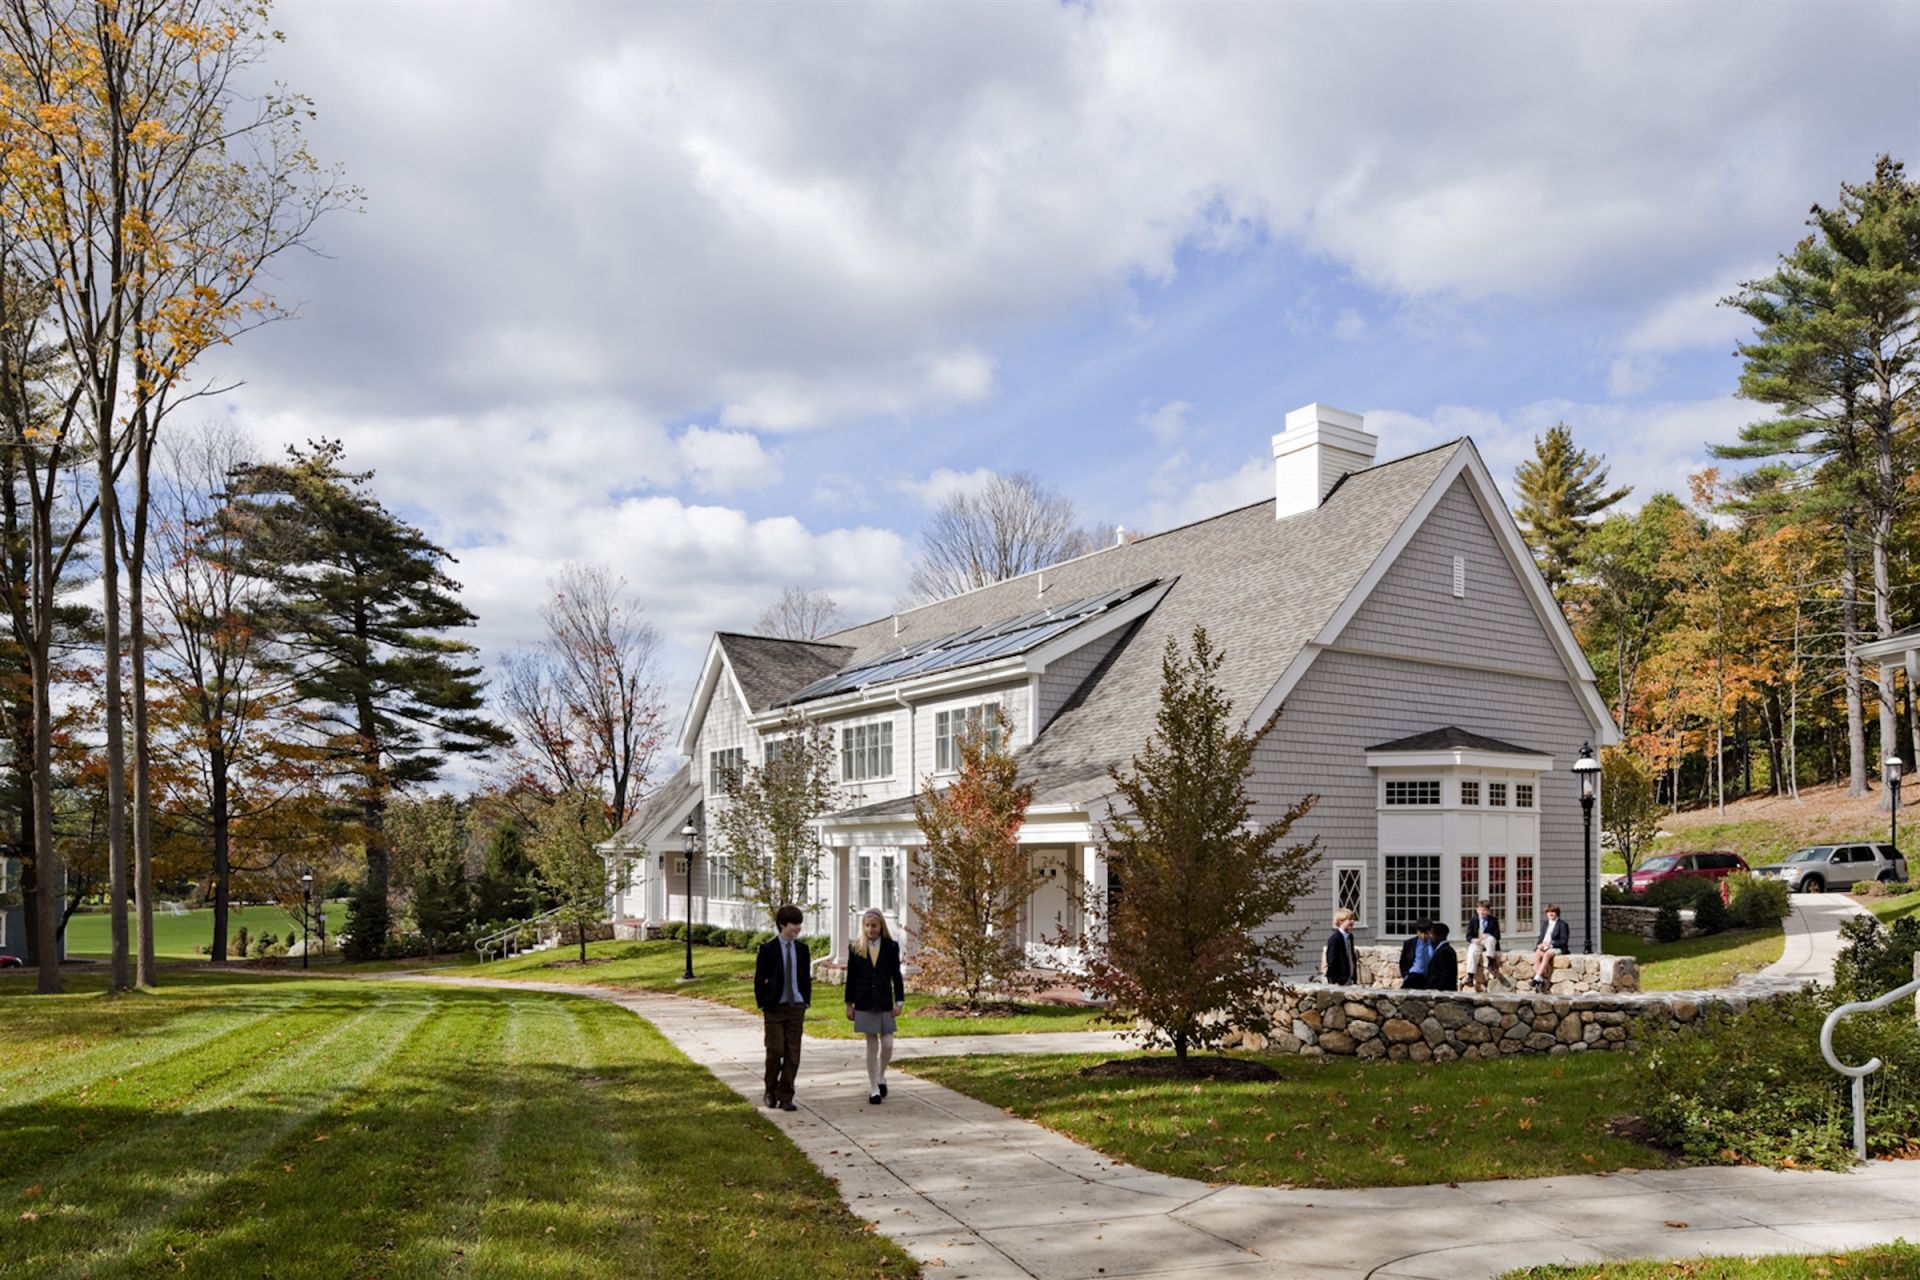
1459 577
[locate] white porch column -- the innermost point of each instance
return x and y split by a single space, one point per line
908 916
838 896
1093 877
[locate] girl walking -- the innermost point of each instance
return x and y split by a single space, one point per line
876 993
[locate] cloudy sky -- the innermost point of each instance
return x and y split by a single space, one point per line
726 295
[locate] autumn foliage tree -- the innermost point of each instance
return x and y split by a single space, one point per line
767 823
973 875
566 856
1186 944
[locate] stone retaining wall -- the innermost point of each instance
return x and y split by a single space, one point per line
1513 970
1639 921
1365 1022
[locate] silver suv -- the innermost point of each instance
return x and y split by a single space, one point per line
1837 866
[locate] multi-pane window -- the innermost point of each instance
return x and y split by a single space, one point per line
723 770
949 726
1418 791
1469 887
778 747
1497 795
863 880
1523 795
722 882
1412 891
1523 894
866 751
1469 791
1350 888
1497 885
890 883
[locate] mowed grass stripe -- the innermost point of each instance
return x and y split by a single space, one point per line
76 1128
99 1209
144 1031
348 1191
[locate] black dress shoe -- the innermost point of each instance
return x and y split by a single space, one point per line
789 1106
883 1088
767 1099
873 1099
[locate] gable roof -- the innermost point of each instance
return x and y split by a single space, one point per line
769 668
675 798
1454 738
1263 588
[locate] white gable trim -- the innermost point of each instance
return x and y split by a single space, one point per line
1466 462
712 671
1459 758
669 822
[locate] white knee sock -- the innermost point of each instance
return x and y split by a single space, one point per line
886 1056
875 1066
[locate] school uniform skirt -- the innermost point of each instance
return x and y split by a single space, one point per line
873 1024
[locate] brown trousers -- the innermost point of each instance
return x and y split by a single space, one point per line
784 1025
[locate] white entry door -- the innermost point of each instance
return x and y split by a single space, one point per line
1050 910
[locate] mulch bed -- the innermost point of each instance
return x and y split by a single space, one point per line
999 1009
1207 1068
588 963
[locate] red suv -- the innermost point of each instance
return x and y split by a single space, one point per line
1673 866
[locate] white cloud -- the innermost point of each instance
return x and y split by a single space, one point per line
1351 326
1632 375
725 461
1696 318
943 484
1182 493
1167 423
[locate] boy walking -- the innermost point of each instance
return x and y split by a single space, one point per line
783 988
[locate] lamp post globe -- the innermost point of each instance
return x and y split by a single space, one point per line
1587 770
1890 768
690 841
306 910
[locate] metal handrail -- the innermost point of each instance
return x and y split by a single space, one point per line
501 939
1860 1073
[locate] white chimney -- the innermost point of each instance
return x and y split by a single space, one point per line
1320 445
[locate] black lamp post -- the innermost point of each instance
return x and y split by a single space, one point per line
690 838
1587 770
306 911
1891 766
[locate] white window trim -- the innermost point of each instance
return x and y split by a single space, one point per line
998 699
1447 862
1365 906
893 753
1440 793
720 751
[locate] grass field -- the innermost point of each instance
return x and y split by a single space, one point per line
1888 1262
726 975
1330 1122
1692 963
179 936
226 1126
1891 909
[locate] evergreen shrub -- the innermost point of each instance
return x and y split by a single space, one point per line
1667 926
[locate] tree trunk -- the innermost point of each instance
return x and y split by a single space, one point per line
116 763
222 857
144 968
46 857
1850 633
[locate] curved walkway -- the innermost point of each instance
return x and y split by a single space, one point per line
973 1192
1813 943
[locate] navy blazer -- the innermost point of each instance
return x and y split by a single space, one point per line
767 978
1443 968
1562 936
1492 930
875 986
1343 967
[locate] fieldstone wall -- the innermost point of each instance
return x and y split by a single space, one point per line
1364 1022
1639 921
1513 971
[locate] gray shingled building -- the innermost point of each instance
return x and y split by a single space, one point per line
1431 696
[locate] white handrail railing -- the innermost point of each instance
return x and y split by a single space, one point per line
1860 1073
505 940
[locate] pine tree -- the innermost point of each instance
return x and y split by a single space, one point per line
1186 943
506 889
1562 488
363 604
1836 354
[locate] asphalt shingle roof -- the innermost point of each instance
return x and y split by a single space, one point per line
1262 587
1455 738
769 669
673 793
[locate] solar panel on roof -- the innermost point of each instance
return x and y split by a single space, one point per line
955 649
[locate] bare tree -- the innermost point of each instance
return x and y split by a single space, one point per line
1011 525
800 614
586 705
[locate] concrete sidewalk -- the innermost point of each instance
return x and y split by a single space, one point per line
974 1192
1813 944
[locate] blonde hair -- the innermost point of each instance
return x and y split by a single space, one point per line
1343 915
876 914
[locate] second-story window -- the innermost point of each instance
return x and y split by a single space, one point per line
866 751
723 770
948 726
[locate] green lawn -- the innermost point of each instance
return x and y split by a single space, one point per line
1888 1262
726 975
1692 963
1891 909
1331 1122
179 936
228 1126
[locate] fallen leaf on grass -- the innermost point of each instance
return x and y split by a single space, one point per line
1677 1226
